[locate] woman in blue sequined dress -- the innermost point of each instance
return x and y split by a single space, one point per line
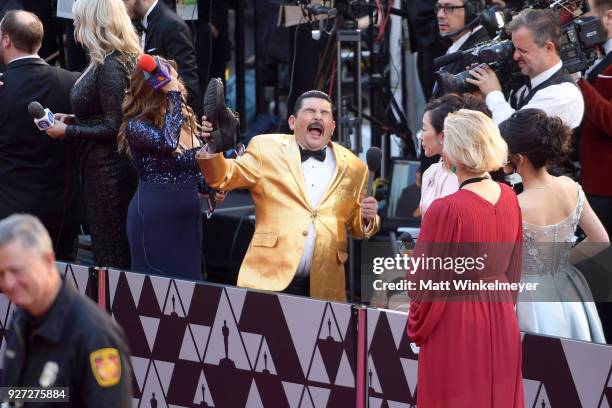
164 217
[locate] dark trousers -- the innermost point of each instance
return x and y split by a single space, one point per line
299 286
602 205
65 242
212 53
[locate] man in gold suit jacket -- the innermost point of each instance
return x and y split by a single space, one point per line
309 193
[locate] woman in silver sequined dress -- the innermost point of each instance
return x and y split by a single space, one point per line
552 208
108 179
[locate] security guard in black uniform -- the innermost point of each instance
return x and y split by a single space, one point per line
57 337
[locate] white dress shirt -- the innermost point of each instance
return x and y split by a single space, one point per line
24 57
317 176
144 24
563 100
607 46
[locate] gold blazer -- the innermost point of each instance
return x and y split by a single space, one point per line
271 169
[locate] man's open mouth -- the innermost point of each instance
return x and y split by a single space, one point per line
315 129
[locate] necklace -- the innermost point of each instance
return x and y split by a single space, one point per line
552 181
473 180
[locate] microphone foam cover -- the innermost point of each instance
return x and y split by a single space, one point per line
373 158
147 63
36 110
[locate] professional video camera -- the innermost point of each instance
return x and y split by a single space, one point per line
577 50
347 9
497 54
351 9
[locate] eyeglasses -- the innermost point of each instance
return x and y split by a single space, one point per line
447 8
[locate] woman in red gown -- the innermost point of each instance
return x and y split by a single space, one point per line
470 350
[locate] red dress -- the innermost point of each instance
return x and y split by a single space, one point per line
470 352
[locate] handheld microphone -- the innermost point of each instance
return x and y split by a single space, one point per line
407 241
406 238
156 73
373 159
43 118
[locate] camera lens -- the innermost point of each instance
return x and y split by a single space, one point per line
458 83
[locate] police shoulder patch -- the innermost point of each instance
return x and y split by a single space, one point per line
106 366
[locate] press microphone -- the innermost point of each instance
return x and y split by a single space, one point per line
373 159
406 238
156 73
43 118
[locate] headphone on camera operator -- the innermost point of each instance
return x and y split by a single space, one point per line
455 61
473 9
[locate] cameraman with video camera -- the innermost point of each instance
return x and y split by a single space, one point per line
535 35
458 20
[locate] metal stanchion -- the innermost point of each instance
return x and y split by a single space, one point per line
344 123
240 63
361 357
102 280
351 253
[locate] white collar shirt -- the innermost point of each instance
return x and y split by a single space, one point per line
317 177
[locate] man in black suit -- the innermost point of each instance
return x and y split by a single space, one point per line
167 35
425 40
458 21
5 6
38 173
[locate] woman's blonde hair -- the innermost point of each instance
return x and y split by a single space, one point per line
142 102
472 141
104 26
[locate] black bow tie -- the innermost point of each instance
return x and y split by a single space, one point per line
317 154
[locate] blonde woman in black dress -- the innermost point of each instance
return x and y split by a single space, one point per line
108 179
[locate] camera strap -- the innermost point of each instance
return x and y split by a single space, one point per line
558 77
517 98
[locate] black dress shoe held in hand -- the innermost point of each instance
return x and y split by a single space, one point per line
224 121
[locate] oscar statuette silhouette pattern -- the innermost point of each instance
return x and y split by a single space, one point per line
556 372
201 345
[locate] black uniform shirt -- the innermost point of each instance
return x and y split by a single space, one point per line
74 345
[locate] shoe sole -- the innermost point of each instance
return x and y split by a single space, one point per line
215 112
213 115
